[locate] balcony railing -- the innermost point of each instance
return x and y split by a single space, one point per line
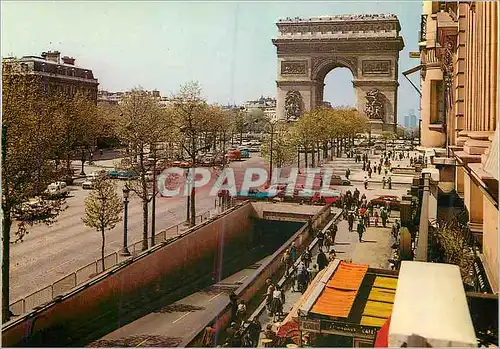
423 26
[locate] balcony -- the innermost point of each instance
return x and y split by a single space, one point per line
422 34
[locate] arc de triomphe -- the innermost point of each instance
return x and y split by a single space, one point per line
368 45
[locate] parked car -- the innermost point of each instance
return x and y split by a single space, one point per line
88 184
382 200
329 196
255 193
234 155
337 180
57 189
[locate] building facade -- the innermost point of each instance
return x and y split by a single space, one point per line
459 112
368 45
59 74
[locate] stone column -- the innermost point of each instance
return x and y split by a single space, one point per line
423 230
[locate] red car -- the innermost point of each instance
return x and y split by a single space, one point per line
382 200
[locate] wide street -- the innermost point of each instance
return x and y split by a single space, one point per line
49 253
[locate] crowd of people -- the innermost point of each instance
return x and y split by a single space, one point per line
355 209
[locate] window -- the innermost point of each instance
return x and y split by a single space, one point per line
437 102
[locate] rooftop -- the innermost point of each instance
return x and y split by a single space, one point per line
341 18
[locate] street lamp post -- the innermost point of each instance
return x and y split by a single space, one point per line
153 208
125 252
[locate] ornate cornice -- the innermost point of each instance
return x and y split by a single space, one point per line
281 83
375 83
328 46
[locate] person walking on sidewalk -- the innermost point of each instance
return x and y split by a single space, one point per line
383 216
383 182
375 216
389 182
365 182
334 233
293 253
269 294
379 168
350 220
321 239
321 260
361 229
286 261
347 173
307 257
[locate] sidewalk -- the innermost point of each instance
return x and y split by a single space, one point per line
374 250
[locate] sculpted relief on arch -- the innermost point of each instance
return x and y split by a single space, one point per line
293 105
374 108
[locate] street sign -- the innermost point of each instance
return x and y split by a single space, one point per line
414 54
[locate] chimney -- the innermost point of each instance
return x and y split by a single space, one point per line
68 60
53 56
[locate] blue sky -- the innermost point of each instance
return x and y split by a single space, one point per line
226 46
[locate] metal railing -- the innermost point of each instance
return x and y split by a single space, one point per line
89 271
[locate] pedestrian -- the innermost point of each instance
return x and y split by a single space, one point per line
361 229
383 216
269 294
367 219
331 255
350 220
293 252
385 171
375 215
254 330
347 173
321 260
321 239
307 256
379 168
234 306
100 152
389 182
364 165
276 306
286 261
327 241
312 270
334 233
374 168
365 182
241 312
383 182
369 172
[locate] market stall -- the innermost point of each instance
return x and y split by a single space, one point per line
347 306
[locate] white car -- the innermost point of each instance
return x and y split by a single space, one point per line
57 189
88 184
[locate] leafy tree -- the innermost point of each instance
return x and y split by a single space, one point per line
103 208
284 149
192 118
451 243
238 122
29 144
141 124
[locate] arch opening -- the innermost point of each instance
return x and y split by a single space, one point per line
337 88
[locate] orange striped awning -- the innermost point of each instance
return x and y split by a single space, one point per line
338 296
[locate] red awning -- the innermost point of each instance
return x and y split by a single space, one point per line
382 340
